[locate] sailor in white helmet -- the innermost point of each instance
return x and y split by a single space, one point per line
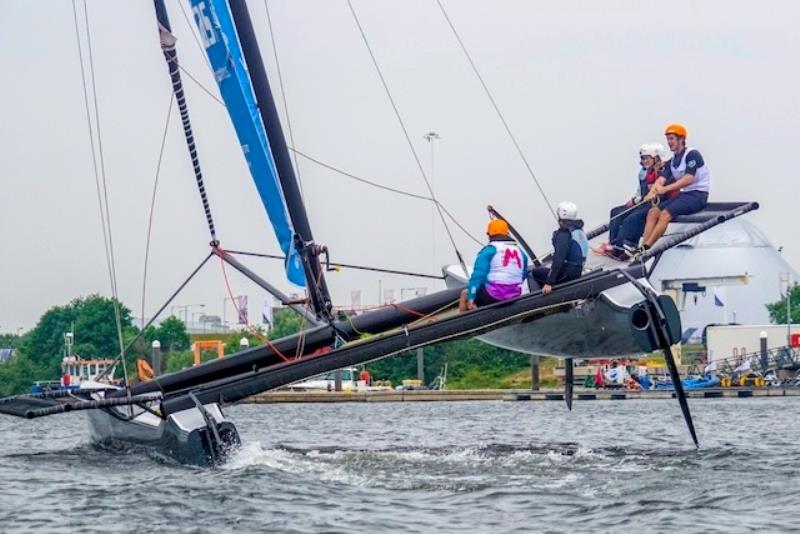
687 177
626 222
570 247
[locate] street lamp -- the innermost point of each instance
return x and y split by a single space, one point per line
185 308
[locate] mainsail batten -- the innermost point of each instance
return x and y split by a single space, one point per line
222 47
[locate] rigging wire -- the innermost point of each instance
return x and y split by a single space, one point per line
99 173
243 318
283 99
153 203
405 133
158 312
391 190
336 265
297 152
192 30
496 108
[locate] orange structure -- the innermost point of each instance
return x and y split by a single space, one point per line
208 345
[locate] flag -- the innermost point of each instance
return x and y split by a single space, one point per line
710 367
266 312
241 303
720 296
745 366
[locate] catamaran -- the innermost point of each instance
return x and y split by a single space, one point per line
611 309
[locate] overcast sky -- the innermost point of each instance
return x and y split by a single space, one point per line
581 83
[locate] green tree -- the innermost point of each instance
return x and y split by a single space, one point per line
40 350
11 341
18 375
286 322
96 326
171 333
233 340
470 364
43 345
177 360
777 310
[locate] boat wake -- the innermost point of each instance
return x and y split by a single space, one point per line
550 466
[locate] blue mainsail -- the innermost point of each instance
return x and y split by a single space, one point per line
219 37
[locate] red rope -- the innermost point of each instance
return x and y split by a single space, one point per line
407 310
241 316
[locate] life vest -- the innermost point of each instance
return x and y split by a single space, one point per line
643 183
578 247
508 264
702 175
647 177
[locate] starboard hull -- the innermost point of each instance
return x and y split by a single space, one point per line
599 327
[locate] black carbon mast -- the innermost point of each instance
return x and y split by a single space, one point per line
304 240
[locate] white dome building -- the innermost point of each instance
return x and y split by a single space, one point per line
733 249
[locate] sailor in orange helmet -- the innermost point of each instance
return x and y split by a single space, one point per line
498 272
686 172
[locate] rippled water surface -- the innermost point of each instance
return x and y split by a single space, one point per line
482 466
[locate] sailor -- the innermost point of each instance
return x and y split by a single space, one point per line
687 173
570 247
628 221
498 272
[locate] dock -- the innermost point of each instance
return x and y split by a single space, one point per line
581 394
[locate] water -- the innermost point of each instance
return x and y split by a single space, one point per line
482 466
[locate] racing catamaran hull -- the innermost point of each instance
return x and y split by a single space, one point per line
599 327
187 437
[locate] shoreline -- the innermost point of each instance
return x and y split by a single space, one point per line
581 394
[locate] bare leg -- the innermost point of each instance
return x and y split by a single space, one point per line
660 228
652 219
462 301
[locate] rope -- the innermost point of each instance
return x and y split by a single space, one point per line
171 57
153 204
391 190
421 318
408 137
435 312
407 310
243 318
296 152
283 98
482 328
100 176
193 31
496 108
341 265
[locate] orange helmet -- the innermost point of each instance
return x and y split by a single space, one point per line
677 129
497 227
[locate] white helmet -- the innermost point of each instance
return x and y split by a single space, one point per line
663 152
567 211
649 149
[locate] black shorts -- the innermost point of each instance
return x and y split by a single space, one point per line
687 203
483 298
